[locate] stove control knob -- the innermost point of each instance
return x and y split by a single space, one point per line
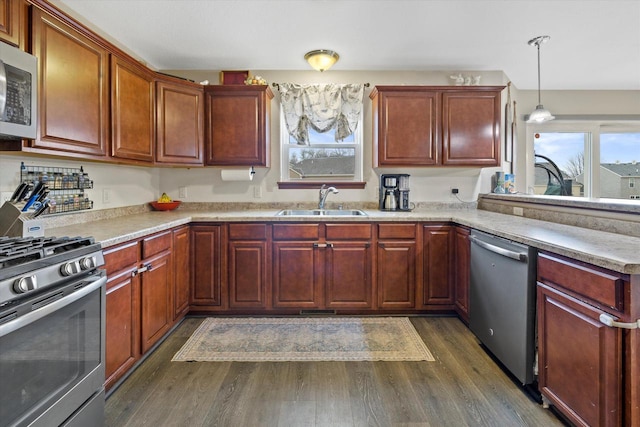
88 263
25 284
70 268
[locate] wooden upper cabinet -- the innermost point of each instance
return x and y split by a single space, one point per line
180 123
132 111
73 90
238 125
14 22
405 127
436 126
471 128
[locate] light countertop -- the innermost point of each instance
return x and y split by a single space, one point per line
617 252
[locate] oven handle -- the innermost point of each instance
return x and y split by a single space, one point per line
38 314
498 250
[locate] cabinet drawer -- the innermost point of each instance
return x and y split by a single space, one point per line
296 231
118 258
348 231
155 244
396 231
600 285
248 231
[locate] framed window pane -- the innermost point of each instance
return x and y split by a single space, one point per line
620 165
559 163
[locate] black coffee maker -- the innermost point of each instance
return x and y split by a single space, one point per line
394 192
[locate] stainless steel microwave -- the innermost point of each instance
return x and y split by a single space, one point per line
18 93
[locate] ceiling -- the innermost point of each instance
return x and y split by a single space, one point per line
595 45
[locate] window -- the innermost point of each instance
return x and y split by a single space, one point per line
323 159
320 133
585 159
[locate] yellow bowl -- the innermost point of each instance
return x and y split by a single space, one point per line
168 206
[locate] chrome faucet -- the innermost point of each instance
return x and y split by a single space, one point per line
324 192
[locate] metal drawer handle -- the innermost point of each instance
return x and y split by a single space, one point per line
145 267
610 321
323 245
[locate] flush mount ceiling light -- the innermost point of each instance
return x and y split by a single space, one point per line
321 59
540 114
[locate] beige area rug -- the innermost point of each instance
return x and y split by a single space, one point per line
304 339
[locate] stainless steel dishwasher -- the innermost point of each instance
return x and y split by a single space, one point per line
502 301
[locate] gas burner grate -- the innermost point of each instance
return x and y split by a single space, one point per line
21 250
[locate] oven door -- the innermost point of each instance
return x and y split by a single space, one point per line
52 353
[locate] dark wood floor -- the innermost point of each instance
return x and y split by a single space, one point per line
463 387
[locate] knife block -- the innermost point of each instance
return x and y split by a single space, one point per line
15 223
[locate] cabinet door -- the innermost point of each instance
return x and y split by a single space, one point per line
580 360
182 271
155 292
206 265
298 275
248 274
13 22
180 123
396 274
471 128
406 128
122 341
238 125
73 89
461 274
132 111
348 275
437 285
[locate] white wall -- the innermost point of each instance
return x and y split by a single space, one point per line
131 185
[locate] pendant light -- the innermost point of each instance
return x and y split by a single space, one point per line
321 59
540 114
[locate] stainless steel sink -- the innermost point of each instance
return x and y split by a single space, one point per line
321 212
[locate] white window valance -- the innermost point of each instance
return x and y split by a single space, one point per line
321 106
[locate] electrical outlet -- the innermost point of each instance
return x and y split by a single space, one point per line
106 195
182 192
518 211
257 192
454 191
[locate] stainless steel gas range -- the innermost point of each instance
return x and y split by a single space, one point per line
52 333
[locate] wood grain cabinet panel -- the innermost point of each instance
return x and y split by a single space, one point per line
437 283
471 128
298 278
180 123
182 271
396 273
238 125
14 22
155 296
206 259
122 342
348 275
73 89
132 111
248 274
436 126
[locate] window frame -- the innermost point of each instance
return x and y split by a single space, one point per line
345 182
593 128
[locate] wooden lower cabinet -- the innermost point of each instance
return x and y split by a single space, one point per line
122 343
181 272
462 272
396 265
438 262
319 266
248 277
138 302
206 265
581 360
